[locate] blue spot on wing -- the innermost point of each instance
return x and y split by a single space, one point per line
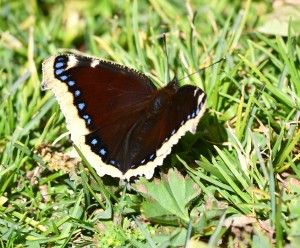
94 142
59 64
81 106
63 77
87 119
59 71
77 93
114 163
61 58
152 156
71 83
102 152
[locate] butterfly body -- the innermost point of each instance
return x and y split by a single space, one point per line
118 119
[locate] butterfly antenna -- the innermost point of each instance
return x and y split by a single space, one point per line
167 75
203 68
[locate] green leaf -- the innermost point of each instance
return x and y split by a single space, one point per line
168 199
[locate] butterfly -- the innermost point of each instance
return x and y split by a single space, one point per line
120 121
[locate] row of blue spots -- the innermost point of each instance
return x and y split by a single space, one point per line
87 119
114 163
193 115
59 68
81 107
101 151
151 157
60 62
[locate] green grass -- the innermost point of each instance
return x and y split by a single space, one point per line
236 181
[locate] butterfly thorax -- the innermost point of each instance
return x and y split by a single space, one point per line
163 96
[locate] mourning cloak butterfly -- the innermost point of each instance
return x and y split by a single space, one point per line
119 120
